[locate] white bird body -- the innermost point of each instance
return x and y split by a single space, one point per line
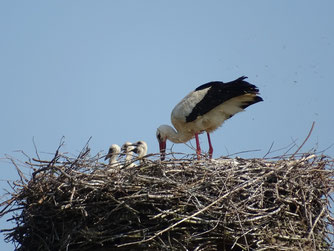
207 122
140 148
127 148
113 153
205 109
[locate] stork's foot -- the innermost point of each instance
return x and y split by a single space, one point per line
210 153
210 146
198 152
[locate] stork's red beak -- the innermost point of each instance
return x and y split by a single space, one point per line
162 145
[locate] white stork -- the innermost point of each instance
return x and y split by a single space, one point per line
205 109
140 148
127 148
113 153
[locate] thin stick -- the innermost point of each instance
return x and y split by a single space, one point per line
309 134
35 146
315 222
269 151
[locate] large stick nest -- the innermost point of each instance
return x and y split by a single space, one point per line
179 204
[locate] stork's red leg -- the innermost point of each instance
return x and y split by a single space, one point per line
198 147
210 146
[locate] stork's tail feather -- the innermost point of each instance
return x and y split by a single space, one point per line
241 78
250 92
242 86
250 100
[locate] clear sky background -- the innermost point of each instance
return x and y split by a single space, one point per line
114 70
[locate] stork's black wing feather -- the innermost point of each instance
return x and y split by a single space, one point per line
219 93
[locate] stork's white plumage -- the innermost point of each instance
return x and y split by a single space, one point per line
205 109
140 148
113 153
127 148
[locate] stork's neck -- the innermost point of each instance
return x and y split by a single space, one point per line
113 159
176 136
128 156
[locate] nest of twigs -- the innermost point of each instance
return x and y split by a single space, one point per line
179 204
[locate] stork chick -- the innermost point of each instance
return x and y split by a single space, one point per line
113 153
140 148
127 149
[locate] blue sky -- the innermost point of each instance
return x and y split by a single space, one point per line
114 70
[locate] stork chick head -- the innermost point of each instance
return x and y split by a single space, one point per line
140 148
127 147
114 150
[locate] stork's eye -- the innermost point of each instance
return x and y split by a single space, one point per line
159 136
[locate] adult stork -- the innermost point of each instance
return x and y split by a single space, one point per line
113 153
205 109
